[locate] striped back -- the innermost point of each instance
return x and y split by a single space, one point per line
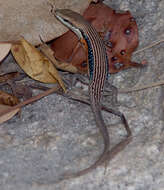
97 60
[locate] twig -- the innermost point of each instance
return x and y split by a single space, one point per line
149 46
33 99
155 84
159 83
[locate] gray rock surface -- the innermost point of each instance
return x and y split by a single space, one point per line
55 134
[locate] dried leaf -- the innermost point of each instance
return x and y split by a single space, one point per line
5 48
118 30
8 115
8 99
6 102
29 18
36 65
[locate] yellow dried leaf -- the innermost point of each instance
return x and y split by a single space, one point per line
34 64
8 115
4 50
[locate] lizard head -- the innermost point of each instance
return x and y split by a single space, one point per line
71 20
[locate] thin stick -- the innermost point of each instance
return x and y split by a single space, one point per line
155 84
159 83
149 46
32 99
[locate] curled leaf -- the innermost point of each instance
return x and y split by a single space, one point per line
118 30
8 115
35 64
8 99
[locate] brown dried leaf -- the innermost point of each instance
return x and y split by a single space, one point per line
8 99
5 48
36 65
118 30
8 115
29 18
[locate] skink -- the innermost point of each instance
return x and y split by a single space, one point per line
98 72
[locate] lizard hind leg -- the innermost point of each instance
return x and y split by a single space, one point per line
113 92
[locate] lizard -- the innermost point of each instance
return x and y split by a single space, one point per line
98 74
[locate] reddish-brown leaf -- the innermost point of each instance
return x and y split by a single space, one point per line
118 30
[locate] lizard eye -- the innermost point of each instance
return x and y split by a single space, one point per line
66 20
127 31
